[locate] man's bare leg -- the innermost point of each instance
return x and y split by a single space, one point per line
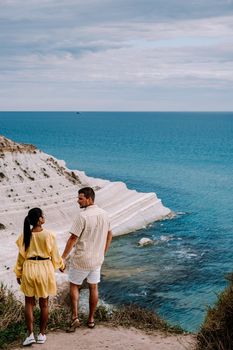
74 297
93 301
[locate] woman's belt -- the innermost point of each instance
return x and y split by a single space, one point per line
37 258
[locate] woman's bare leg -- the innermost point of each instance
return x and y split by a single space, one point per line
29 305
44 314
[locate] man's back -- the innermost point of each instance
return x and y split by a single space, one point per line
91 227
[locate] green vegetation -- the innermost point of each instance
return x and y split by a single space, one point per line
217 330
12 323
13 329
11 316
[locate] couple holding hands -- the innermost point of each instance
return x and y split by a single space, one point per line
38 258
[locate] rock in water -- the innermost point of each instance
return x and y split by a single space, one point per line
145 241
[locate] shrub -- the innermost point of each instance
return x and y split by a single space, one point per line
12 322
135 316
216 332
11 317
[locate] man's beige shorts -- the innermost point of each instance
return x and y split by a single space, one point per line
78 276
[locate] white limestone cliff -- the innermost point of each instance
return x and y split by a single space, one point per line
30 178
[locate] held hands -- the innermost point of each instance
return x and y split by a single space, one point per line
62 269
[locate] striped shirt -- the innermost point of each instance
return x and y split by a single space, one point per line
91 227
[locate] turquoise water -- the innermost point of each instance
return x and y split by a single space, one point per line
186 158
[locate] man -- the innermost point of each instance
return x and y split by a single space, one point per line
91 237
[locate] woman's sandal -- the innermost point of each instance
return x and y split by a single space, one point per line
74 324
91 324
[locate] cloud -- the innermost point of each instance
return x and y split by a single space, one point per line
113 46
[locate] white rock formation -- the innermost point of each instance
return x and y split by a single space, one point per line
30 178
145 241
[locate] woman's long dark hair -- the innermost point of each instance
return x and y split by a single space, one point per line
31 220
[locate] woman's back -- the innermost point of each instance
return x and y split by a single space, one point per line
41 244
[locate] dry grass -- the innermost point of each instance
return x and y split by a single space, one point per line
11 317
12 322
11 310
217 330
134 316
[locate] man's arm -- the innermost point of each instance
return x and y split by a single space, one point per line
69 245
108 241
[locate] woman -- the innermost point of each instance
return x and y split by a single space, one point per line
38 257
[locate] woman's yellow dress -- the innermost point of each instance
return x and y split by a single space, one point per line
38 276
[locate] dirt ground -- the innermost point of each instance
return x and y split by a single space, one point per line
107 338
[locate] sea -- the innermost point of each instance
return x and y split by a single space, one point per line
187 159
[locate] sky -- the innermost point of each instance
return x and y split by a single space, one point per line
116 55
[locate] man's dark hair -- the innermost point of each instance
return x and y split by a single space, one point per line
88 192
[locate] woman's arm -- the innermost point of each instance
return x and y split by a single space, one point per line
18 269
56 259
